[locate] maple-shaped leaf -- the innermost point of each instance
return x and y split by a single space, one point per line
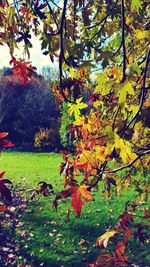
37 9
23 69
103 239
45 190
136 5
79 194
74 109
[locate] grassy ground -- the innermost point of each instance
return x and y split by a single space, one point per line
49 240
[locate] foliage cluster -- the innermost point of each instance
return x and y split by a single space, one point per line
110 133
47 139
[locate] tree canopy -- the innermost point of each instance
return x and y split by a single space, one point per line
102 47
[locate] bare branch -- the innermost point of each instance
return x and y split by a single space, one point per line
129 164
99 176
61 55
142 94
123 40
115 117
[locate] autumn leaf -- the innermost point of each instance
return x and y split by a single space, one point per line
124 90
23 69
74 109
79 194
104 260
120 248
103 239
3 142
3 208
136 5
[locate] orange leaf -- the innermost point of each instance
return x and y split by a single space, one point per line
3 134
120 248
80 194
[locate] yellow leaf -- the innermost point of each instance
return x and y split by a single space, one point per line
139 35
74 109
103 239
136 5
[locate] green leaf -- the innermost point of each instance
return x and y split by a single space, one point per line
75 108
122 93
136 5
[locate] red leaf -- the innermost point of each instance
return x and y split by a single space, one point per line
127 233
5 143
2 174
3 134
3 208
23 69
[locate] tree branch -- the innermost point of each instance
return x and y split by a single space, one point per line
142 94
109 10
99 175
61 55
129 164
115 117
123 40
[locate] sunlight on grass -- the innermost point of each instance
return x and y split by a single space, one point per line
51 241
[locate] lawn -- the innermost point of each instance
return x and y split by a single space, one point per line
49 240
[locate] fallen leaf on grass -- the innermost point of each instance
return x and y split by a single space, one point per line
103 239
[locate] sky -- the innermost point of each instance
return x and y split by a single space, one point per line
36 57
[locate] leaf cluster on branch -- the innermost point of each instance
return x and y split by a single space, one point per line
102 48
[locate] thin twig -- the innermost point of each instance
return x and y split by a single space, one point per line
115 117
104 19
129 164
99 175
51 11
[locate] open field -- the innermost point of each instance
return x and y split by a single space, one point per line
51 240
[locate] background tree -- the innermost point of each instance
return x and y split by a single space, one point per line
26 108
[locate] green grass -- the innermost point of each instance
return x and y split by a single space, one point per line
51 241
